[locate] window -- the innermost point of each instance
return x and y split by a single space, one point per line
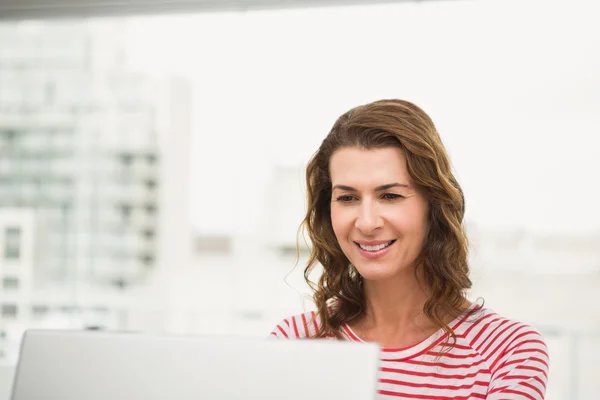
148 234
12 243
126 159
39 310
125 211
9 310
150 208
151 158
147 259
150 184
10 282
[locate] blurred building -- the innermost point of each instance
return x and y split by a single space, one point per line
93 170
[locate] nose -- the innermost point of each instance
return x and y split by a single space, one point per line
369 218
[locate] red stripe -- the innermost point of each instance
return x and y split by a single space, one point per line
529 368
282 331
519 344
522 360
397 349
525 378
489 335
295 327
504 390
429 397
287 322
496 338
477 323
431 346
433 386
444 365
525 367
534 333
530 386
465 317
483 329
428 374
503 353
306 334
314 320
533 350
502 345
516 346
462 346
450 355
351 334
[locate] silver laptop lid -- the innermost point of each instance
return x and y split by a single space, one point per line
75 365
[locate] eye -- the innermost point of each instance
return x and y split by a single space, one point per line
346 198
392 196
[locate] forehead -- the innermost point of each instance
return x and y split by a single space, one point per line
358 167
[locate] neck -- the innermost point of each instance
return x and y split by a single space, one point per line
395 302
393 315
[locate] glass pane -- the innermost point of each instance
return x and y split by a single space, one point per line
12 243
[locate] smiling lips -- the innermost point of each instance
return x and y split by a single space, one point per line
374 249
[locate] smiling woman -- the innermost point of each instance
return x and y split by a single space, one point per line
385 217
376 224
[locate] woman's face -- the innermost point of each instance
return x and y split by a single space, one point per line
379 217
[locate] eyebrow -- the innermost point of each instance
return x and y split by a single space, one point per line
377 189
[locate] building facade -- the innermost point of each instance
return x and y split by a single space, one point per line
93 172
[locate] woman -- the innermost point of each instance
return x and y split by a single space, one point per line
385 218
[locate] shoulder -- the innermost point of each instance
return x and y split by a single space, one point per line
491 334
515 353
299 326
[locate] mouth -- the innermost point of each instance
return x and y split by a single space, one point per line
375 248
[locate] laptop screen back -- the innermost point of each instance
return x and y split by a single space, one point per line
74 365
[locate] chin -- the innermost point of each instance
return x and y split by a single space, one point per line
376 272
381 271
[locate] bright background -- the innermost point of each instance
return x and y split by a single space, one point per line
151 166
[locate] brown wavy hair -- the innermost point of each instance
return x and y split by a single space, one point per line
338 294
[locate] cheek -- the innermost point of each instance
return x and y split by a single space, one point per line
421 226
339 223
414 223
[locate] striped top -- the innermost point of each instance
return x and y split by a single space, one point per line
494 358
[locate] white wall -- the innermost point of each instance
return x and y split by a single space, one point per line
512 85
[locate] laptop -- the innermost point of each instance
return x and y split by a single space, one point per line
96 365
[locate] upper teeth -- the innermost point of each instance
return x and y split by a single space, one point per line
376 247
